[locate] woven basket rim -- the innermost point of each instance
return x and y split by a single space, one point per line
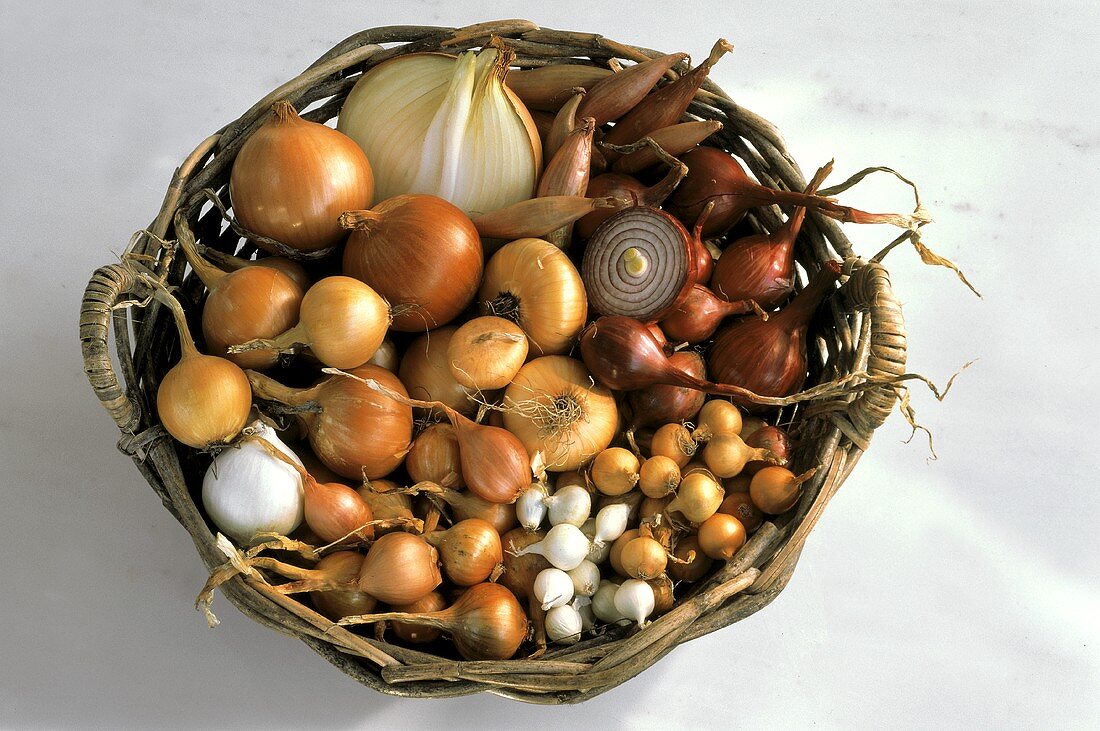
865 333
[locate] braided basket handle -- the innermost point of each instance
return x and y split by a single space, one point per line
869 290
107 286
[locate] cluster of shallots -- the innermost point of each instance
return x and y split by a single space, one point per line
436 319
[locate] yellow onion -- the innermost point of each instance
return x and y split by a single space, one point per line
422 254
555 407
358 432
400 568
203 400
534 284
425 372
292 179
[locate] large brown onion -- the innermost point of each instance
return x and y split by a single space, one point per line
292 179
421 253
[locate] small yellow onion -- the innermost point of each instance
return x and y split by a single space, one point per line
534 284
292 179
717 417
486 353
555 407
643 558
615 471
674 441
698 498
203 400
426 375
721 535
659 475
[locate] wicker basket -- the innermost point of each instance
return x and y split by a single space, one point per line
861 331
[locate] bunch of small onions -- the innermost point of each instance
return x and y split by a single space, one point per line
292 179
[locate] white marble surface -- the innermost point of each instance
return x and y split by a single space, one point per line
959 592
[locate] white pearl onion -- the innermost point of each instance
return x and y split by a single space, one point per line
564 625
552 588
571 504
635 600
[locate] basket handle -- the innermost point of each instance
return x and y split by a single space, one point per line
868 289
107 286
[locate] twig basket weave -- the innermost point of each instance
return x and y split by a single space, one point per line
862 331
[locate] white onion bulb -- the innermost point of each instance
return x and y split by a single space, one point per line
611 522
635 600
530 508
552 588
564 547
564 625
585 578
571 504
247 491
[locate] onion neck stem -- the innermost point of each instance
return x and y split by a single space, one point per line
356 220
269 389
425 619
287 342
207 272
284 112
187 343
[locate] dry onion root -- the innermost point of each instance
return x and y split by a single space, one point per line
554 407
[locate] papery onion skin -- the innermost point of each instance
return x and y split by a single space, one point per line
418 633
421 253
554 407
485 353
534 284
293 178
